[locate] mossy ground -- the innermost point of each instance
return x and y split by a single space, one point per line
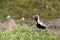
23 33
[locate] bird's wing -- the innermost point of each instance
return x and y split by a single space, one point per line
41 23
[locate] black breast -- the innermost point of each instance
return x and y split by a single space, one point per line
40 26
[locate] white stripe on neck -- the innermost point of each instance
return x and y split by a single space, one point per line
39 21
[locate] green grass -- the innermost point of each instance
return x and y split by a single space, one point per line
47 9
24 33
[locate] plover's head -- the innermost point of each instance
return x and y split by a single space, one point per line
35 16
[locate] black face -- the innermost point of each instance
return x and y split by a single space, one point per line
35 17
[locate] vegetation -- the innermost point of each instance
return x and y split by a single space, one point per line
24 33
17 8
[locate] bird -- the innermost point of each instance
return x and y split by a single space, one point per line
39 23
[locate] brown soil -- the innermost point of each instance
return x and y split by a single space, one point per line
10 23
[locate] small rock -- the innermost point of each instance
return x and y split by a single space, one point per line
10 23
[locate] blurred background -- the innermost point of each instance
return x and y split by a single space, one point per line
47 9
